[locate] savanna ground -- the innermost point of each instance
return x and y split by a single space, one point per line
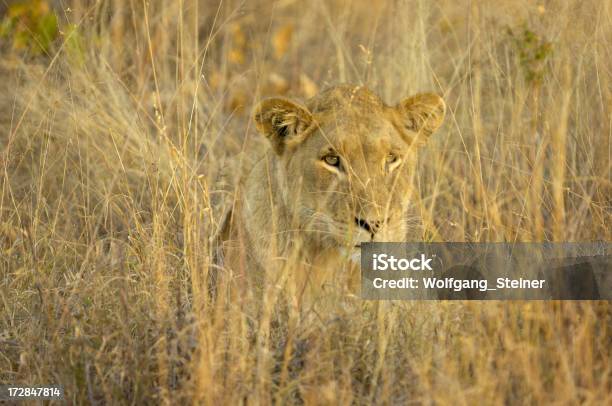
117 116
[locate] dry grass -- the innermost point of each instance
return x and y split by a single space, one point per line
112 141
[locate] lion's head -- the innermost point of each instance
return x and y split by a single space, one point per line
346 160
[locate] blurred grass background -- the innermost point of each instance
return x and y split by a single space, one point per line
116 118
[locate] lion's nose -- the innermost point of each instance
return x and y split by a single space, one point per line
371 226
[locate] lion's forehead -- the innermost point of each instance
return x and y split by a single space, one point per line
352 114
364 147
357 99
358 134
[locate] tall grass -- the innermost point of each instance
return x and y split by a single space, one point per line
113 140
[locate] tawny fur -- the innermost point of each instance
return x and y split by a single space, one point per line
293 205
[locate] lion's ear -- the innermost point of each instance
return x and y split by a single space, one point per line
419 116
283 122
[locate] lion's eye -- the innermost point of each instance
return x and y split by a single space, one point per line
332 160
391 158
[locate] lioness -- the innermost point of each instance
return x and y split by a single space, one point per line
337 173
